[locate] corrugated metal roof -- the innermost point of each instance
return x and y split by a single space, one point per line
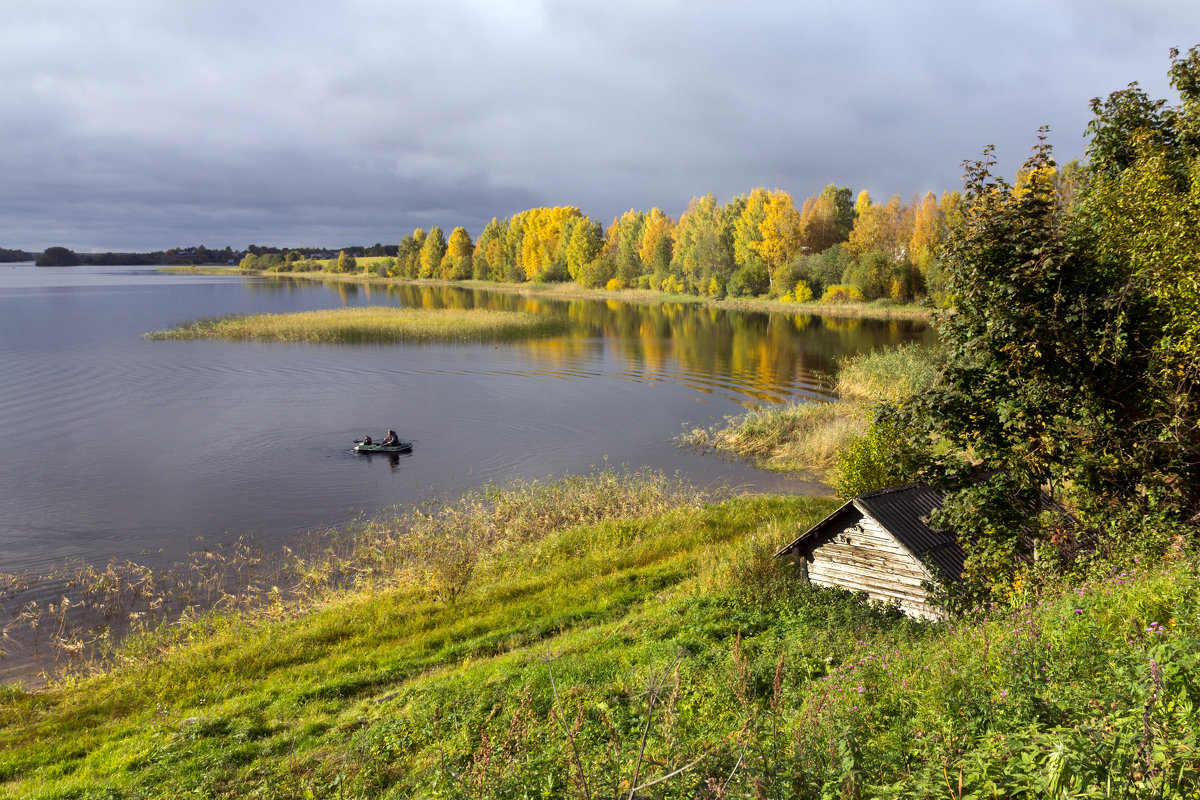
904 512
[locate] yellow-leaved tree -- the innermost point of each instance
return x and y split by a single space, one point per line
781 232
456 263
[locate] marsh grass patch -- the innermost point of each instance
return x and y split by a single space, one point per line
372 324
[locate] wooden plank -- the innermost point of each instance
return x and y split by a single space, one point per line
877 593
867 563
864 578
869 560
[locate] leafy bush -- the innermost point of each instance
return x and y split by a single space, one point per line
749 281
841 293
876 460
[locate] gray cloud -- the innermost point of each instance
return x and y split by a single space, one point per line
140 124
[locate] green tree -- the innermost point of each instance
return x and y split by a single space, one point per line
587 239
408 258
57 257
1070 364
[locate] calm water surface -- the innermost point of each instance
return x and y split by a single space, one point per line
117 447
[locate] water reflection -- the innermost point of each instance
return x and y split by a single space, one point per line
259 433
765 358
392 459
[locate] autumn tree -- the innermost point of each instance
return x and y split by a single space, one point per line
880 226
926 233
656 243
781 233
345 263
432 251
541 236
487 261
751 277
456 263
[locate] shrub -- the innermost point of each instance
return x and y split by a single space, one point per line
802 293
672 285
877 459
842 293
749 281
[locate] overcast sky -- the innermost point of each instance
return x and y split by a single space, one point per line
147 124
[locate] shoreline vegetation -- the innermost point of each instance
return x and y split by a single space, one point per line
808 437
371 324
586 637
878 309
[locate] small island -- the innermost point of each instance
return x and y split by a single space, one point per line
57 257
372 324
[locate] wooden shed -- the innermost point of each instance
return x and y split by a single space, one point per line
881 543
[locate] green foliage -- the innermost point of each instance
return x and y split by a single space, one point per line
881 457
751 280
596 273
871 274
1070 357
824 269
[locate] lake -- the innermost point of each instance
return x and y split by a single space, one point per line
117 447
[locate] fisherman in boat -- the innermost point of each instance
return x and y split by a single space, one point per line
367 439
391 440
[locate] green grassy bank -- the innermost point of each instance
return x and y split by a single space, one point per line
585 638
371 324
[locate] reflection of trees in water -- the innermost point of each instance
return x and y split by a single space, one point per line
768 357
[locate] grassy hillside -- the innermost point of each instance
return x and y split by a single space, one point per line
583 638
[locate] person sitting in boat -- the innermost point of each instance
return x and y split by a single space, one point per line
367 439
391 440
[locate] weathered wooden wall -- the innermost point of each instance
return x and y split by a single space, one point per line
871 561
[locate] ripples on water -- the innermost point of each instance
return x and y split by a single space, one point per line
119 447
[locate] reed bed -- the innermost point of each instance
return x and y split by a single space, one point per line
75 620
807 437
371 324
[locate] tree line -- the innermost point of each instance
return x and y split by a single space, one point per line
833 246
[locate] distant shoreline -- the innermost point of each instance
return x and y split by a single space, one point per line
573 291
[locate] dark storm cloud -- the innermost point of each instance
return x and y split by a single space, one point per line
144 123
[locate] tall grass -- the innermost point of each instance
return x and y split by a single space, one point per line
75 619
807 437
660 655
371 324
